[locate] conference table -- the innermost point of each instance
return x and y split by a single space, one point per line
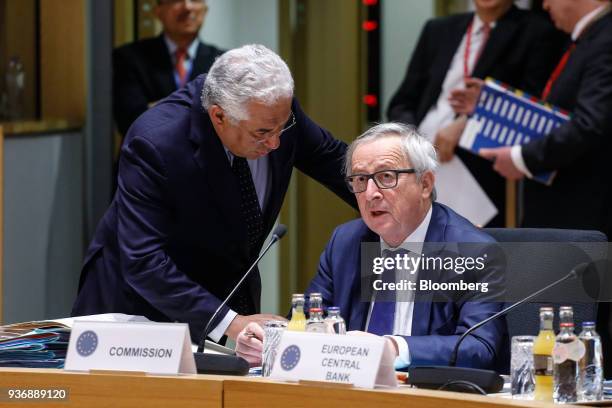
124 389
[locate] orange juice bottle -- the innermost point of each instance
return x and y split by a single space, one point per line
298 318
542 356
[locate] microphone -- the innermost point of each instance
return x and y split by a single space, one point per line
474 379
230 364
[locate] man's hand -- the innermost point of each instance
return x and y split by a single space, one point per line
447 139
249 344
240 322
502 162
463 101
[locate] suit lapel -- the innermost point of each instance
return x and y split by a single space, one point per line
499 40
450 45
434 244
363 279
280 168
211 158
164 74
202 61
445 48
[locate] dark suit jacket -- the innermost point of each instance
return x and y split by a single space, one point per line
522 50
143 73
581 194
173 242
436 323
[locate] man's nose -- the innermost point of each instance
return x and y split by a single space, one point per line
372 191
272 142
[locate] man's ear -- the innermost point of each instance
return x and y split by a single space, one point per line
428 180
217 115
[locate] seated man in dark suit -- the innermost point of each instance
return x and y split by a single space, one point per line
148 70
391 172
518 47
202 177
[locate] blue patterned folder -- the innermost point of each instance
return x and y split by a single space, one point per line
506 117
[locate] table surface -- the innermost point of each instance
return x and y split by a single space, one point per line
123 389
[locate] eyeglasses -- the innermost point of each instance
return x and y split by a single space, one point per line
358 183
262 135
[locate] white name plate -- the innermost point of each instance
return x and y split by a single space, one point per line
157 348
327 357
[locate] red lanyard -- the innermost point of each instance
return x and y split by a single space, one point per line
468 42
558 70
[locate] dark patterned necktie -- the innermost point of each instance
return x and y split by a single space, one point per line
249 205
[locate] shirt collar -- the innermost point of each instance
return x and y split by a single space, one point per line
191 50
414 242
477 24
585 21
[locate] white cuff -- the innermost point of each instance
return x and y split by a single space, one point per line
403 352
219 331
516 154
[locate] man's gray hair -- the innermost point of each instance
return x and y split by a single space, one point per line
249 73
418 150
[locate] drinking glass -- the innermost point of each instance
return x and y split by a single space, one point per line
273 331
521 367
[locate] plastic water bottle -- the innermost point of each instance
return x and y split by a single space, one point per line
15 88
590 380
566 354
334 322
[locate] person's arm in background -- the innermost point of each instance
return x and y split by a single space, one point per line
585 132
590 124
405 101
320 156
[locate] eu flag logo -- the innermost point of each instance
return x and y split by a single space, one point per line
87 343
290 357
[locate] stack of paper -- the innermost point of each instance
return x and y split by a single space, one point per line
34 344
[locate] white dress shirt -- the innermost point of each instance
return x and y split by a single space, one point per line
516 152
402 323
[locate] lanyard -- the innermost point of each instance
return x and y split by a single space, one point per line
558 70
468 44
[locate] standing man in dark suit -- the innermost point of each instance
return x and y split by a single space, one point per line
581 193
514 46
202 176
391 172
148 70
